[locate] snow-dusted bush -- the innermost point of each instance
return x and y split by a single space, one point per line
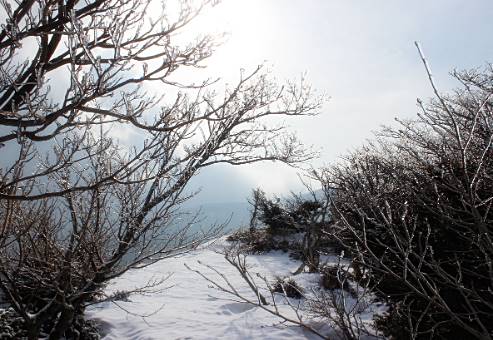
11 325
414 209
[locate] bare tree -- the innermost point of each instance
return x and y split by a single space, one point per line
77 208
415 209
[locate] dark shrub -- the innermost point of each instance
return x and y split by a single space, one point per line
254 241
416 209
287 286
333 277
120 295
307 216
276 217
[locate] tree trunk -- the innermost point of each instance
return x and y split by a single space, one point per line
33 332
63 324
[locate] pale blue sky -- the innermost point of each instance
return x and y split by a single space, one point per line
360 53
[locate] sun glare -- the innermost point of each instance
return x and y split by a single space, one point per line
237 27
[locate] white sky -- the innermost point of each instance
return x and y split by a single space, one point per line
360 53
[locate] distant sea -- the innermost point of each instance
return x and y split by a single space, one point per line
232 215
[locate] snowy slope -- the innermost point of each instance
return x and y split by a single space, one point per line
191 309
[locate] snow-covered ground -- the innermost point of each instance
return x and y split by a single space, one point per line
191 309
